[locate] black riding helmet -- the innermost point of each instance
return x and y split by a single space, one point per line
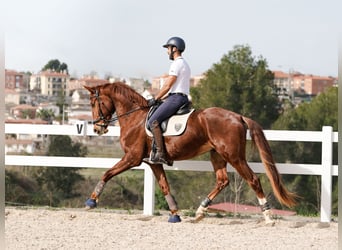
176 42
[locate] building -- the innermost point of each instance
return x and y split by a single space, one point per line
136 83
196 80
157 82
295 84
12 96
79 108
16 80
24 143
312 85
90 81
50 83
24 111
19 146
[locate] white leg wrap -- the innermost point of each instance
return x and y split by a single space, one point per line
262 201
200 213
267 216
267 212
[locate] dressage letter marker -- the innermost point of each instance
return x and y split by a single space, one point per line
81 127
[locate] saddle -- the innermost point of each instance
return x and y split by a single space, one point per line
176 124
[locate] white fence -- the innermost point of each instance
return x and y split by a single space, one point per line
326 170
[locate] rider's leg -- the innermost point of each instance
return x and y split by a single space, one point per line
159 156
164 111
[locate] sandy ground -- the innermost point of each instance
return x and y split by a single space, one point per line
42 229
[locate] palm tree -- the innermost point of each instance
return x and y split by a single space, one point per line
46 115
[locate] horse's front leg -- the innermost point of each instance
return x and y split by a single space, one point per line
123 165
160 175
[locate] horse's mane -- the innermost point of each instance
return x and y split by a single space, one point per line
127 92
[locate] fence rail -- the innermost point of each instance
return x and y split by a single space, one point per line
326 170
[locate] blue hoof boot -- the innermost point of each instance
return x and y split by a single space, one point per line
174 218
90 203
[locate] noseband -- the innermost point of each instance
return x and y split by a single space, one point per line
102 117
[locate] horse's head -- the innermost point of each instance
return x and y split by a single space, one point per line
102 109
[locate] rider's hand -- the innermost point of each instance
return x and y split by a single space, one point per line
151 102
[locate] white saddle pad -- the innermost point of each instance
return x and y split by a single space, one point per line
175 126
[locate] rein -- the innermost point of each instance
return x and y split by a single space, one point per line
115 118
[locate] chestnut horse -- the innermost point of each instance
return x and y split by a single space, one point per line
218 131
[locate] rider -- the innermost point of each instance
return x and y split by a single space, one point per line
174 94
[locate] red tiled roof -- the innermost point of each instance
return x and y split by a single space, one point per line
26 121
10 91
82 117
24 106
16 141
280 74
12 72
52 73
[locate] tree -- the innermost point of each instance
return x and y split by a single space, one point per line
242 84
321 111
26 114
147 84
312 116
46 114
22 189
62 145
60 181
61 102
56 65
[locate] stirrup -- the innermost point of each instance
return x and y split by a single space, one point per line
157 160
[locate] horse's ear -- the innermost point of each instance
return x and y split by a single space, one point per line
90 89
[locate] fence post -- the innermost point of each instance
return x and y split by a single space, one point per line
149 185
326 177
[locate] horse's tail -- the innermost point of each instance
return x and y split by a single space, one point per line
258 138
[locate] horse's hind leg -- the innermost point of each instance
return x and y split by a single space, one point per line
222 181
160 175
253 181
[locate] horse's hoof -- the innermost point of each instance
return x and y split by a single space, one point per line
174 218
270 223
90 203
198 218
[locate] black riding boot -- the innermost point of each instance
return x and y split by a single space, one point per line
159 156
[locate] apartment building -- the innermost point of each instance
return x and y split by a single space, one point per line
16 80
50 83
313 85
295 82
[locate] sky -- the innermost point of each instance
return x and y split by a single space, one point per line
124 38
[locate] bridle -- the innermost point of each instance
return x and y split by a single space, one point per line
103 118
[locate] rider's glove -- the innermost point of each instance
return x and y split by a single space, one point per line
151 102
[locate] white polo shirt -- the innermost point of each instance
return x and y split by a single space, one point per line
180 68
